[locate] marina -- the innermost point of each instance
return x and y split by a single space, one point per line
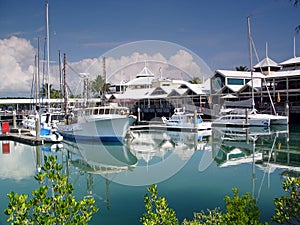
187 169
120 116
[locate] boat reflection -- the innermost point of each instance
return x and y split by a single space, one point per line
266 147
99 158
146 144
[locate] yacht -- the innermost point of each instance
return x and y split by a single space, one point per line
235 117
183 120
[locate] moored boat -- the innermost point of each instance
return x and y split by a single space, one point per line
107 123
236 118
183 120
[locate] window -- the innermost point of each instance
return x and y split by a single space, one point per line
235 81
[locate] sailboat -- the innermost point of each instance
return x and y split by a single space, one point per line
47 120
274 119
242 117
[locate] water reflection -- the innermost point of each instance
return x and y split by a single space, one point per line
155 156
165 156
265 146
17 162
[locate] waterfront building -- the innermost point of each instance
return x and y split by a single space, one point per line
272 82
157 96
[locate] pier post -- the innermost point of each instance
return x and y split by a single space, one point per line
195 119
139 114
246 112
287 111
14 119
37 126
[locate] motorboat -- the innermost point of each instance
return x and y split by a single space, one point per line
241 117
48 135
108 123
183 120
237 118
48 129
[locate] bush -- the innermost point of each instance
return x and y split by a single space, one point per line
52 202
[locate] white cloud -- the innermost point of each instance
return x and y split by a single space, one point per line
17 59
180 65
16 66
18 163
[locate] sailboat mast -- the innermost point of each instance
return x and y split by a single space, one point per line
251 63
48 55
65 84
38 74
104 82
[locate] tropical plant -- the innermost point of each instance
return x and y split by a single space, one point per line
157 210
99 86
53 92
287 208
195 80
239 210
241 68
212 217
52 203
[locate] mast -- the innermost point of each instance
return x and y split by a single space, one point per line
251 66
65 84
48 55
38 74
104 82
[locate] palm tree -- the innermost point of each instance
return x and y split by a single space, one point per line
296 3
53 92
98 86
241 68
195 80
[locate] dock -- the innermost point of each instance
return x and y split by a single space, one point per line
162 127
23 137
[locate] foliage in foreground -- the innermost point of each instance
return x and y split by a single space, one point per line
239 209
287 208
52 202
157 210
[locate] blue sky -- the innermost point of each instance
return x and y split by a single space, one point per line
214 30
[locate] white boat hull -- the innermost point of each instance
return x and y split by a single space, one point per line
241 120
107 129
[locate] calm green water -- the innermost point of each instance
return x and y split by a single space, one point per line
193 172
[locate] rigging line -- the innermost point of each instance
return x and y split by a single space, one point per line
71 68
270 154
265 82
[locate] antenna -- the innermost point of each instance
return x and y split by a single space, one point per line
294 46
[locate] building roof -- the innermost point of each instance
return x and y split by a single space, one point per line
140 81
284 73
266 62
239 74
294 60
145 73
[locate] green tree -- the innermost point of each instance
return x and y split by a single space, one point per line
53 92
99 86
212 217
52 203
239 210
241 68
157 210
287 208
195 80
